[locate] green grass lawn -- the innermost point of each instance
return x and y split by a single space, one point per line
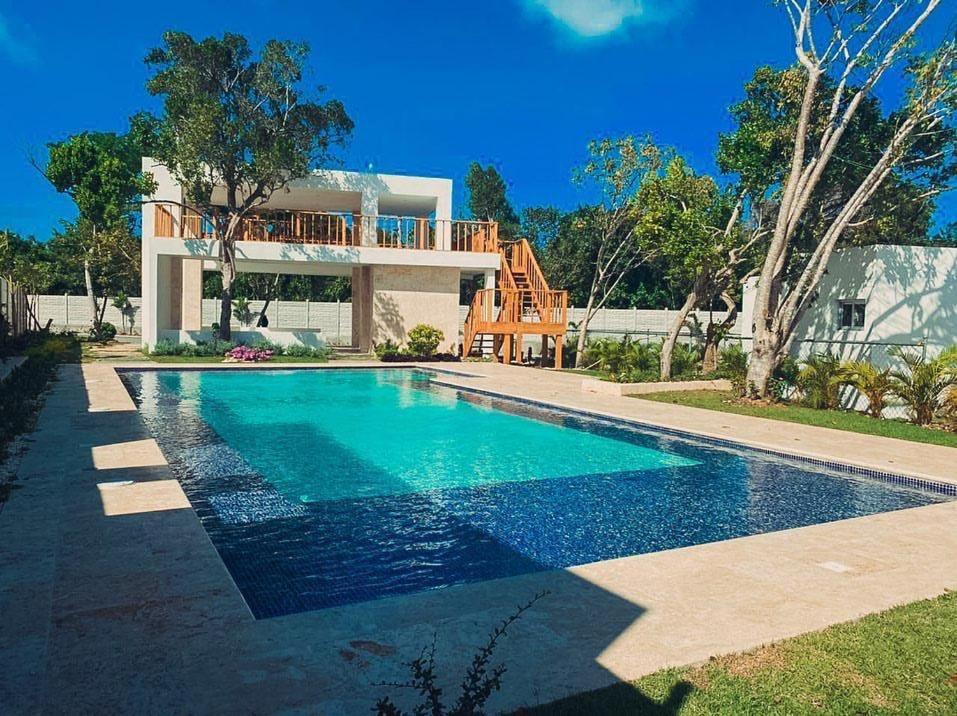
838 419
903 661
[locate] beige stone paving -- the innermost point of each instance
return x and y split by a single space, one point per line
112 598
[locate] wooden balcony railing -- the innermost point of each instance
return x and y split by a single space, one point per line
339 229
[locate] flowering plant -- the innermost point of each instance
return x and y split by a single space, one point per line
245 354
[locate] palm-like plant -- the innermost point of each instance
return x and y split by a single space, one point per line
875 384
924 385
820 380
605 355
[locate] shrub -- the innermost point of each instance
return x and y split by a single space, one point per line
424 340
924 385
242 312
268 345
784 380
875 384
389 348
298 351
105 332
820 380
733 366
20 391
166 347
685 361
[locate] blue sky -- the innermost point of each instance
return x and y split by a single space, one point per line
523 84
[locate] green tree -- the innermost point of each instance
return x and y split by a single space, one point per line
702 246
488 200
616 168
826 174
26 262
101 172
238 122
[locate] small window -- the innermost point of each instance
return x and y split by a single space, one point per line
851 314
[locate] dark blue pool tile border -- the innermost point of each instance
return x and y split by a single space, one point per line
921 483
944 488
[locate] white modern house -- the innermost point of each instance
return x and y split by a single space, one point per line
393 236
881 295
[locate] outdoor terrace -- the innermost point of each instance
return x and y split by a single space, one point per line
338 229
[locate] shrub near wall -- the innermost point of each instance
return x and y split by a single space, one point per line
20 392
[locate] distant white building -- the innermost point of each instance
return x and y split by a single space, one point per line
884 295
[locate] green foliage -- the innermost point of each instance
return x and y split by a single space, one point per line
102 173
758 152
685 361
103 332
487 199
631 361
20 392
387 349
242 311
320 354
875 384
733 366
257 131
785 378
424 340
204 349
924 385
820 380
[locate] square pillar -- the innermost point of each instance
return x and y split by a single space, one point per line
362 290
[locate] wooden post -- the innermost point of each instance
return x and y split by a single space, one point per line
518 347
507 349
559 340
544 350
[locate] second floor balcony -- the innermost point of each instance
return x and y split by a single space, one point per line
337 229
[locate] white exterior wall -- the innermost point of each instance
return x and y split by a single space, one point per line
371 194
909 294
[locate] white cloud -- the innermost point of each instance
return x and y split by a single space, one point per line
598 18
18 51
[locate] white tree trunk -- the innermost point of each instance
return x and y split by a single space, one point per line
668 347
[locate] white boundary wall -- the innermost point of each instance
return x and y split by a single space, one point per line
334 320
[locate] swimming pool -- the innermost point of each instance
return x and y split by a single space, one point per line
328 487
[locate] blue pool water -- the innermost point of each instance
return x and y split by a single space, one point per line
324 488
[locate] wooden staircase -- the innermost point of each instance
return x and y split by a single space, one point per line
521 304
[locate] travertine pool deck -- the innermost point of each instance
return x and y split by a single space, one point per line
112 598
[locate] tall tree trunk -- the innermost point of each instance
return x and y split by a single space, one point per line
583 331
90 296
714 334
226 302
269 297
668 347
227 265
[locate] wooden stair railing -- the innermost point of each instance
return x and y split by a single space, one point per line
526 304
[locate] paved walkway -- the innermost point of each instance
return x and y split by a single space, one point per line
112 598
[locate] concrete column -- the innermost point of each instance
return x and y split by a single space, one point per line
362 296
191 301
370 209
